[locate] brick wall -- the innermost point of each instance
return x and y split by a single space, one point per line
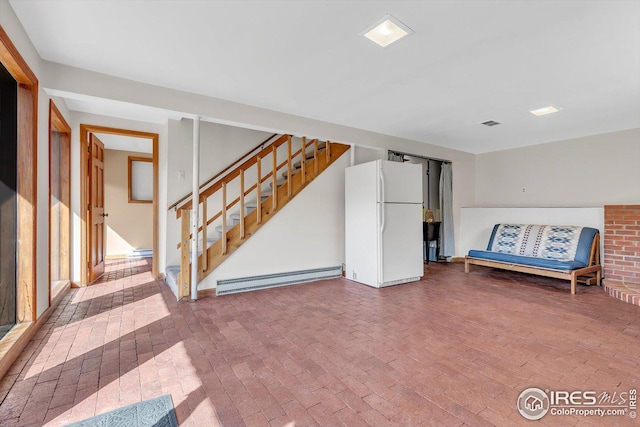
622 243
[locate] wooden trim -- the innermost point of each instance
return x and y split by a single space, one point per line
85 130
14 62
130 160
26 309
18 337
57 123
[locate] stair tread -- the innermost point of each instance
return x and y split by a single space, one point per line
219 228
285 174
279 183
252 204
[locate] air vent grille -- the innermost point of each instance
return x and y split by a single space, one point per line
490 123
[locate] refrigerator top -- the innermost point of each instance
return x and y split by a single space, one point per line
399 182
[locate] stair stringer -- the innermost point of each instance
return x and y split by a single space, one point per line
306 233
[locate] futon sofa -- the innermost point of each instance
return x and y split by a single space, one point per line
563 252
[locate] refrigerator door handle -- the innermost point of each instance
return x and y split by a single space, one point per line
380 245
381 186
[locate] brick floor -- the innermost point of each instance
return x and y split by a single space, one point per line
453 349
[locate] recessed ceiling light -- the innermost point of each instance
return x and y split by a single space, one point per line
546 110
386 31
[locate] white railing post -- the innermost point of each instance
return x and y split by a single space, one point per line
195 197
352 155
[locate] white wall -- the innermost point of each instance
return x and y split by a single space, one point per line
75 119
129 226
60 80
476 223
307 233
219 146
590 171
16 33
64 79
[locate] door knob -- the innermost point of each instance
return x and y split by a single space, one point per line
105 214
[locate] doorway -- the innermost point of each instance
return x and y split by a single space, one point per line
437 206
8 200
100 213
59 202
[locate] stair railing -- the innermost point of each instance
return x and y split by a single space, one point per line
177 205
238 176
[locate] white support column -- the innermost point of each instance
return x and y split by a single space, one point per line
352 155
195 204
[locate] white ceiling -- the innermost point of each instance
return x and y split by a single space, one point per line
467 62
111 108
126 143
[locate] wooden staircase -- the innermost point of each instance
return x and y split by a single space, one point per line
246 198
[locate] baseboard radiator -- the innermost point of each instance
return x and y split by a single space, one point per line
254 283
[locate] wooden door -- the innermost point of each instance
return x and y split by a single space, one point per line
95 214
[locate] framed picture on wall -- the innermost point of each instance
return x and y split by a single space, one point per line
140 180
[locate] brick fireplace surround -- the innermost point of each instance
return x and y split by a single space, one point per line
622 252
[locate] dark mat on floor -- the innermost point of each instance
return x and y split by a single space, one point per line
156 412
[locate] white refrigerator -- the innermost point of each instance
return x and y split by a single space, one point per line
383 223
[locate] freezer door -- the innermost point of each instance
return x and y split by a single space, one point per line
399 182
401 242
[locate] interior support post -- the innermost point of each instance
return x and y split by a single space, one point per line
194 212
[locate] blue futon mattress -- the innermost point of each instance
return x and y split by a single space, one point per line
525 260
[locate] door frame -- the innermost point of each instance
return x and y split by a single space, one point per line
26 292
27 172
85 130
95 209
57 123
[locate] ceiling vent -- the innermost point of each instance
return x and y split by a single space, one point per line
490 123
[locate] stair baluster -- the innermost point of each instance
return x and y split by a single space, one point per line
242 215
303 157
204 234
258 192
224 218
274 177
289 166
315 156
327 150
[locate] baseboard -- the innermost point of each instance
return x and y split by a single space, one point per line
245 284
